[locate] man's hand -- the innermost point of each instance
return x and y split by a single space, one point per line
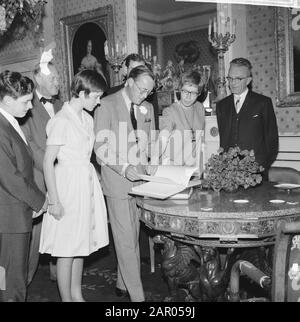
56 210
151 169
42 211
132 174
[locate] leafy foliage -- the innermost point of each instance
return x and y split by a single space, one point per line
25 12
229 170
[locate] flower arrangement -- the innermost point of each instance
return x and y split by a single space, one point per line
229 170
28 11
168 79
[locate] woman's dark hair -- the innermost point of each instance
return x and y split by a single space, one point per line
191 78
14 84
87 81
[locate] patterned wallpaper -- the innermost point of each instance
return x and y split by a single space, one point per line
207 57
64 8
22 55
261 51
16 47
260 47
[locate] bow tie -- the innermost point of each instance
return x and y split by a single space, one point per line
45 100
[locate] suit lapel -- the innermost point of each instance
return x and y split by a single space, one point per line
40 109
246 103
123 111
140 117
57 106
14 133
229 114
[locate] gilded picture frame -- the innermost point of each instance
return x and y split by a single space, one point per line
285 81
102 17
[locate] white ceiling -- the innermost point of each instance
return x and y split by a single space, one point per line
163 7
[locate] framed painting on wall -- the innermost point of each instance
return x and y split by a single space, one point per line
83 37
287 36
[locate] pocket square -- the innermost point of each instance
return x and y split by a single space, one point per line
256 115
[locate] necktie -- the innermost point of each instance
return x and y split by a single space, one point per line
237 104
132 117
45 100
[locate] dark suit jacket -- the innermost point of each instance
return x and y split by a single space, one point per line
34 128
254 127
19 195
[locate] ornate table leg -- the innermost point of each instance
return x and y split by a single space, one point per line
194 270
181 274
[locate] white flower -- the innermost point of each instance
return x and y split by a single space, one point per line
143 110
294 272
45 59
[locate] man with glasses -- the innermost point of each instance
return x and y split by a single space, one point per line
247 119
123 125
131 61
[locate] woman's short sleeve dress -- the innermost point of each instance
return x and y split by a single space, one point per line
83 228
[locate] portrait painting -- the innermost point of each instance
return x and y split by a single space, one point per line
88 49
83 36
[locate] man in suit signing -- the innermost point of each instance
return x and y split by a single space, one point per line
45 105
247 119
123 123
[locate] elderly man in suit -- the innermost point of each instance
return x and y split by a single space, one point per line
19 194
123 125
247 119
45 105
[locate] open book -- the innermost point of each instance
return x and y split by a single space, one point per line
167 181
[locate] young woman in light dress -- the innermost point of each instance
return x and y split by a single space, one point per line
76 223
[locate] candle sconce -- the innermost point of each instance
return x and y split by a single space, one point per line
221 42
147 54
115 55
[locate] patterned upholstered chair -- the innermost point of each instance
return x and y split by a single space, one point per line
284 175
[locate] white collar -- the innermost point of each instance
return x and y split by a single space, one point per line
11 119
39 95
242 96
14 123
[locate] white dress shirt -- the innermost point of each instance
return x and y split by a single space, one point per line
48 106
241 99
14 123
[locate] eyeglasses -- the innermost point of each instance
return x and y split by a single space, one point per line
238 79
143 91
193 94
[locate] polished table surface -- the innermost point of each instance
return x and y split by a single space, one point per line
216 219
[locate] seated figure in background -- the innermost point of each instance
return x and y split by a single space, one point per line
89 61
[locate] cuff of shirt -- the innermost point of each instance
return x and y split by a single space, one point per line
125 166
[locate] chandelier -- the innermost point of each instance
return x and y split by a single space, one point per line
29 12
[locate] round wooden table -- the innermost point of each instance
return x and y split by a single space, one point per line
194 230
246 218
